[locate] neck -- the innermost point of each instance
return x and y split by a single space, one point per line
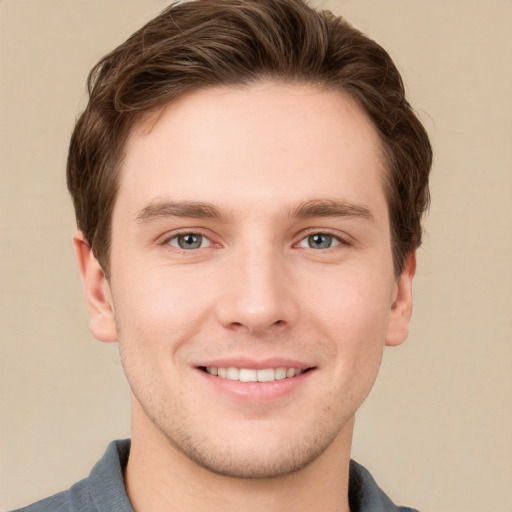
160 478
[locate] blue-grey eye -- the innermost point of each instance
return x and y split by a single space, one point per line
189 241
319 241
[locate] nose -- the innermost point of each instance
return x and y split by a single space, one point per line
257 293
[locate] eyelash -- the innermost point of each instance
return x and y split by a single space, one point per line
341 241
167 241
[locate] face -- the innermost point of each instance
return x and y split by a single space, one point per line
252 287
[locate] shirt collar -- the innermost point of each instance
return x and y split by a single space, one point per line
107 489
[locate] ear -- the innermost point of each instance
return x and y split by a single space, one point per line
97 291
401 308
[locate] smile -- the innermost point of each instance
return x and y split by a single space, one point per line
252 375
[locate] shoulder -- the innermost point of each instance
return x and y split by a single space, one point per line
366 496
102 490
74 499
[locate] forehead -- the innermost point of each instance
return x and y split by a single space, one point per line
264 144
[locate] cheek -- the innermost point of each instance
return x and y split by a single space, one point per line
160 308
353 315
353 305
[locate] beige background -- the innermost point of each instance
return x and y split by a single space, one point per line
436 431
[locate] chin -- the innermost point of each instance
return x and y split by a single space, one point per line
265 453
249 462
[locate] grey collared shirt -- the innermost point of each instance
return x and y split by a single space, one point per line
104 491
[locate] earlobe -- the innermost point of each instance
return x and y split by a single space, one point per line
401 308
97 291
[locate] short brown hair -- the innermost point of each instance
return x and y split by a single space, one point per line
205 43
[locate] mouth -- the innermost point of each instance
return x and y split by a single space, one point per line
256 382
254 375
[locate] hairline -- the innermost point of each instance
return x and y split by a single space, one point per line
145 120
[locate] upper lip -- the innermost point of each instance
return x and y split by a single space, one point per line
255 364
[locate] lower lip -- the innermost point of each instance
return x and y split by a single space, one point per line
256 392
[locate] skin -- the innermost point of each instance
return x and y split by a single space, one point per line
275 164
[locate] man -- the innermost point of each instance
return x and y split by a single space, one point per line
248 180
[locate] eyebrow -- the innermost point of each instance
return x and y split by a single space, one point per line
200 210
331 208
185 209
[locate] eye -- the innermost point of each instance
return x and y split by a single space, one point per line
189 241
320 241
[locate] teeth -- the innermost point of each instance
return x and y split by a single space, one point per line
251 375
232 373
280 373
266 375
246 375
